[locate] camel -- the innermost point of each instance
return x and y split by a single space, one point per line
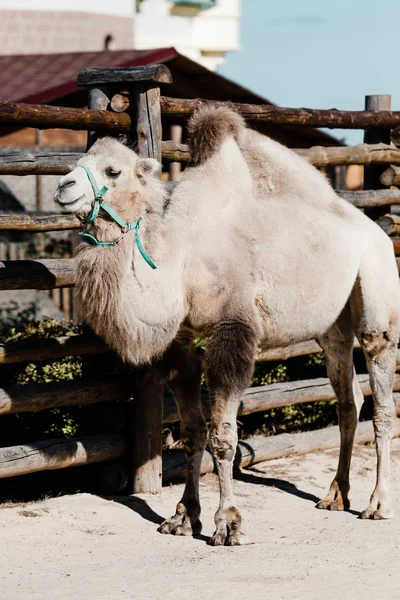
252 250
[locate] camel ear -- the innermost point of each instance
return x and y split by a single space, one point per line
147 166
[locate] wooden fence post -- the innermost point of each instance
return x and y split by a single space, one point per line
372 173
137 89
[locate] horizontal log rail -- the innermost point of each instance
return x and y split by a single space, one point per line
60 454
50 349
43 274
304 117
371 198
279 395
84 345
35 161
47 117
42 116
362 154
38 222
259 449
36 397
53 273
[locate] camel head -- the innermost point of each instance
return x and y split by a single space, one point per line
110 165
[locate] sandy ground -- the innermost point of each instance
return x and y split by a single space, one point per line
87 547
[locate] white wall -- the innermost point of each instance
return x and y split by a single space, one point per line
123 8
191 31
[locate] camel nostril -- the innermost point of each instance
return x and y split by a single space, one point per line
67 184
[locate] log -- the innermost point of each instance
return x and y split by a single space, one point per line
51 349
362 154
146 422
41 396
35 222
43 274
390 224
37 161
124 75
120 102
395 136
148 391
371 198
48 162
259 449
41 116
60 454
391 176
279 395
304 117
372 173
396 245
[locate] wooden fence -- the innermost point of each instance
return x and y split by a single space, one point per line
127 100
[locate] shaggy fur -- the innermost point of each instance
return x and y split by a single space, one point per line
254 250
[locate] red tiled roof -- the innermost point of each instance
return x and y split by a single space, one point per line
41 78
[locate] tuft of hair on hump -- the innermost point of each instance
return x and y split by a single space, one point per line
209 126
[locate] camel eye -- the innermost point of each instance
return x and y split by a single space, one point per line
112 173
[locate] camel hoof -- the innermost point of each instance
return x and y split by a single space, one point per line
335 505
180 526
376 515
228 538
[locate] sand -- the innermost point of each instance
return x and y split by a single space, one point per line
87 547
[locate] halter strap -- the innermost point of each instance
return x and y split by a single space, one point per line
94 213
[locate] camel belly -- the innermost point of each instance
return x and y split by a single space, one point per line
306 302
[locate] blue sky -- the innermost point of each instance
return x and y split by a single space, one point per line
319 53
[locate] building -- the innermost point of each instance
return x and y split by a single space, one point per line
203 30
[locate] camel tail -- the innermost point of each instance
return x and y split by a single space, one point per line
209 127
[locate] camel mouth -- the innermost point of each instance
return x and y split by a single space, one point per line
70 205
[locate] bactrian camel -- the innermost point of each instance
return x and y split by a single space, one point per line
253 250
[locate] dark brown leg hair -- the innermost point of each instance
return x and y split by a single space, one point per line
184 365
229 367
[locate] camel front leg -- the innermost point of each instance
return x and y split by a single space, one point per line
185 385
229 367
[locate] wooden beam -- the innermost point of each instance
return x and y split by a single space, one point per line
41 116
54 162
124 75
372 173
362 154
36 222
391 176
371 198
43 274
36 397
259 449
390 224
35 161
60 454
50 349
304 117
280 395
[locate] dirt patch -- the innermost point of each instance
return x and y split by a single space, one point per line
83 546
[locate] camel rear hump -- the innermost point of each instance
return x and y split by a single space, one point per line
209 127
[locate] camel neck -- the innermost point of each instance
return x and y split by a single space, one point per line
136 310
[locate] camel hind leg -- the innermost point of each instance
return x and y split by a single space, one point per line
337 345
375 305
380 349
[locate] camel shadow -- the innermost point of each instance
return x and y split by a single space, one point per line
140 507
280 484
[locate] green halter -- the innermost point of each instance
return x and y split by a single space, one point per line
125 227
